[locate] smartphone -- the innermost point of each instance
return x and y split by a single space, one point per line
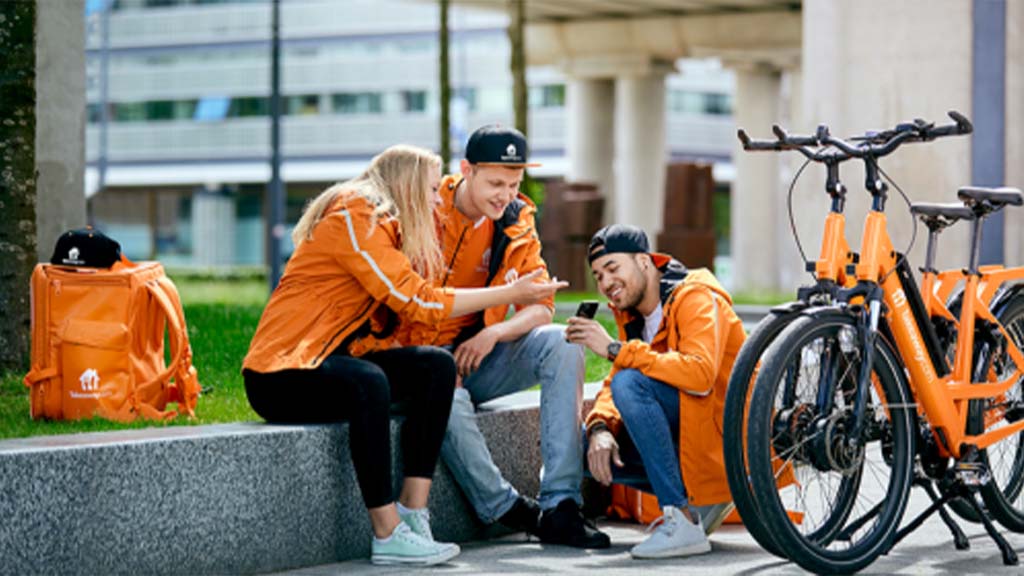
587 309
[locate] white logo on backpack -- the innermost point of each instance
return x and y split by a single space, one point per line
90 380
90 383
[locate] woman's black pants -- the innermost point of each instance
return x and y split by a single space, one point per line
361 391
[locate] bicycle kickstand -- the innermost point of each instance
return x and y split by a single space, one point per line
938 505
959 538
968 478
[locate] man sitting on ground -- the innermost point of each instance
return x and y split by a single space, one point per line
657 421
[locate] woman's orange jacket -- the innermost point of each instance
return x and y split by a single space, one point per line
694 350
335 283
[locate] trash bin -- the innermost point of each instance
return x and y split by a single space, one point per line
573 212
688 231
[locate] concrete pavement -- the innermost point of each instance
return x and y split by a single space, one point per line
929 550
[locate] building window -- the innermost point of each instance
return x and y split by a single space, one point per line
547 96
93 113
468 95
129 111
685 102
705 103
414 101
305 105
170 109
718 104
357 103
249 106
212 108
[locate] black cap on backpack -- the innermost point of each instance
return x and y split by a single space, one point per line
86 247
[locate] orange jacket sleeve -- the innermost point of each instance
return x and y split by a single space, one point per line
604 409
367 251
693 366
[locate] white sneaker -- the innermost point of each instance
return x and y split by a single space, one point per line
713 516
406 547
672 535
418 520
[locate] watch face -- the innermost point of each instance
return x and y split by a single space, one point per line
613 349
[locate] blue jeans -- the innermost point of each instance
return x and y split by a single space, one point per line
541 356
650 451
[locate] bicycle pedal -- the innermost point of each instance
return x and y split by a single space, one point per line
971 473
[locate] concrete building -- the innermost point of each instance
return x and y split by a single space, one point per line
852 65
178 170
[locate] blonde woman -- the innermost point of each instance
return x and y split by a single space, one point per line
323 349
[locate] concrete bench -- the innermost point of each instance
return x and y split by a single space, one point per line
217 499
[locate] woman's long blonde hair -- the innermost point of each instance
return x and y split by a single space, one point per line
397 181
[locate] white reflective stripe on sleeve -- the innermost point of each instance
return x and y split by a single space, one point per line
380 273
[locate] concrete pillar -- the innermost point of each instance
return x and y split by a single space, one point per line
756 202
1014 219
590 135
641 151
213 228
60 121
853 89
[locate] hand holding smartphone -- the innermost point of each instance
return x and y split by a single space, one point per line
587 309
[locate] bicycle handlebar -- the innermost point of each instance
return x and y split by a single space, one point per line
868 145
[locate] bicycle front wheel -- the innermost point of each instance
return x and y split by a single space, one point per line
734 431
847 494
1004 459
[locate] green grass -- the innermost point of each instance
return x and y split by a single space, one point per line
222 316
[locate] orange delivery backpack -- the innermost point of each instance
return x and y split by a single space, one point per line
98 323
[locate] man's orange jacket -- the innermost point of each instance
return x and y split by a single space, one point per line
350 276
693 350
477 254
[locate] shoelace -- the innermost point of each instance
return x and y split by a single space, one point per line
653 526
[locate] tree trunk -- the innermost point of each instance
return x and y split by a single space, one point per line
517 63
17 177
445 87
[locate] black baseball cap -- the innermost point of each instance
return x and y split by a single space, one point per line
86 247
623 238
497 145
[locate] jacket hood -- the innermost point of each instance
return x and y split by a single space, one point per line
704 277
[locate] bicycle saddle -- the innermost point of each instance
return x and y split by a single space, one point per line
939 216
997 197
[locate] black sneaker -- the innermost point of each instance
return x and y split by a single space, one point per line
523 516
566 525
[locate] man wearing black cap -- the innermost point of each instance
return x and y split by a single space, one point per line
657 421
488 237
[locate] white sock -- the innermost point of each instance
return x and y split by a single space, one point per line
402 510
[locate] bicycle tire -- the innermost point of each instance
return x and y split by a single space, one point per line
1003 493
735 418
870 534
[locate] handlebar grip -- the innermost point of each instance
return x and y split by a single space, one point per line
751 144
788 140
744 139
963 125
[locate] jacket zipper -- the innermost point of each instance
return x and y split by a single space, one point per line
339 332
455 255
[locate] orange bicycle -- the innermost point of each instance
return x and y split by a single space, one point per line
859 394
831 271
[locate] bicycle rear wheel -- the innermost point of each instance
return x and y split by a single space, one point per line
847 500
1004 459
735 424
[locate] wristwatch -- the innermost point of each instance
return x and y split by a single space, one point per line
613 349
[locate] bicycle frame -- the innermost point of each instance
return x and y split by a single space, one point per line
944 399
